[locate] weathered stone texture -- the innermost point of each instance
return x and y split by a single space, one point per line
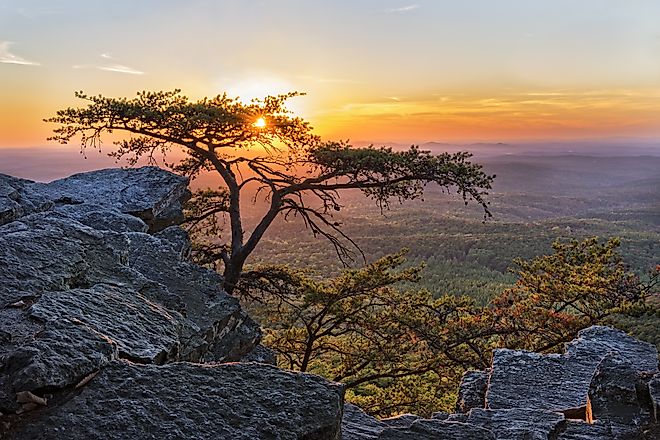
472 391
561 382
193 401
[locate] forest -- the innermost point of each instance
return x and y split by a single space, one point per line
536 199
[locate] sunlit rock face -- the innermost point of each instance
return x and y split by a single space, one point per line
103 316
605 386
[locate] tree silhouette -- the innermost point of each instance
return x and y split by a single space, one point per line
263 147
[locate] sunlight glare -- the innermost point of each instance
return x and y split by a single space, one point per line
260 86
260 123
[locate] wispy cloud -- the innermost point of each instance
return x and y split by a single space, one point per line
118 68
403 9
37 12
121 69
9 58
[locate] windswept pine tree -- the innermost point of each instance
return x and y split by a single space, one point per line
262 147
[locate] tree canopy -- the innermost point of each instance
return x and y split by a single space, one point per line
261 148
397 348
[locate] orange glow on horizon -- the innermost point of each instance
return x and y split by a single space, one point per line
509 116
452 71
443 117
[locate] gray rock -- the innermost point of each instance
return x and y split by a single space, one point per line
517 424
358 425
261 354
580 430
61 355
511 424
654 393
613 392
436 430
550 382
179 401
146 332
472 391
17 200
560 382
178 239
150 193
401 421
10 209
599 341
85 260
219 330
98 217
50 251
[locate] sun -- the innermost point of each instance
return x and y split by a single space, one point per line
260 123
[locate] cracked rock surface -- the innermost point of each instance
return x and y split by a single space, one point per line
605 387
183 401
96 292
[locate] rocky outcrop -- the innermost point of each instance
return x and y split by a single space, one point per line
147 193
561 382
605 386
358 425
654 392
472 392
184 401
108 331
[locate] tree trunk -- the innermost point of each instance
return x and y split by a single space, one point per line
232 273
240 251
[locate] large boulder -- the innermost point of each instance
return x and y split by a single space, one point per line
605 387
192 401
581 430
218 329
560 382
654 394
85 281
508 424
613 392
519 423
149 193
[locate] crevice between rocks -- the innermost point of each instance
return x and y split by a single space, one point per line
55 396
582 413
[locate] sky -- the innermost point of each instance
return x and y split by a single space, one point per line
381 71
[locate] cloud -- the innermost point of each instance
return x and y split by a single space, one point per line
403 9
9 58
33 13
121 69
118 68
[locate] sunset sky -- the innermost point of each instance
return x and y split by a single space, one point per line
386 70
